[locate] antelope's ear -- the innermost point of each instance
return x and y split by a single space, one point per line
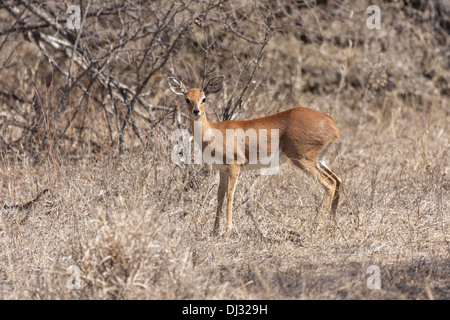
214 85
176 86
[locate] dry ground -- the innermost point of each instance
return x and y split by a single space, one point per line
139 226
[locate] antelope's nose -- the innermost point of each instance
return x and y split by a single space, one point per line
196 112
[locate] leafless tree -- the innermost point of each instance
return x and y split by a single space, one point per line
112 61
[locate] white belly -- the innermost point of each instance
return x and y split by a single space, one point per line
268 165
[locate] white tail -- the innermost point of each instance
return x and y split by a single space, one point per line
302 135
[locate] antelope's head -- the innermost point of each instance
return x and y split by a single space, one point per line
195 98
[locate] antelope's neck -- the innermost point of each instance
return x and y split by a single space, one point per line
199 127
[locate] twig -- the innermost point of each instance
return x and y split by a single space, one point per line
26 205
238 103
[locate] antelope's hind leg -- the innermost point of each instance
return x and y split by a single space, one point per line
337 192
315 170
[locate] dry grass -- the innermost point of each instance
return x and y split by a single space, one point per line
138 226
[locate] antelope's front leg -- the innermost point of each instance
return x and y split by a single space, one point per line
233 174
223 185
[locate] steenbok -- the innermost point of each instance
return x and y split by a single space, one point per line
299 134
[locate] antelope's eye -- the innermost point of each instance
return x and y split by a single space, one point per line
188 101
203 100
